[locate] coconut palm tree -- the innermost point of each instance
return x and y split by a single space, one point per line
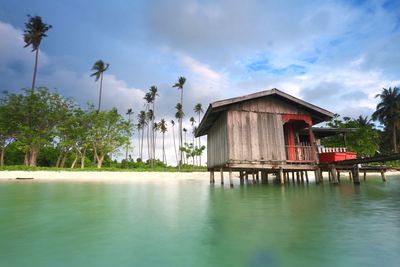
173 137
35 31
163 129
364 121
198 109
129 113
192 122
99 67
141 124
179 85
388 111
153 94
149 119
179 115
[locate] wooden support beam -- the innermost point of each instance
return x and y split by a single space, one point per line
365 175
222 175
230 178
351 175
297 177
212 180
281 175
254 177
383 175
302 177
356 174
306 173
293 177
333 172
241 175
257 176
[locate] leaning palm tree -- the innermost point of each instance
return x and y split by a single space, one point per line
179 85
173 137
163 129
129 113
198 109
388 111
35 30
99 67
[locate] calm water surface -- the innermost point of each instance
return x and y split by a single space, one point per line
190 223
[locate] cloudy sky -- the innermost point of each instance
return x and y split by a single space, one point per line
336 54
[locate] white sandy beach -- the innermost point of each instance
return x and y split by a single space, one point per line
105 176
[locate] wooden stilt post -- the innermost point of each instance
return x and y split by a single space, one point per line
253 176
297 177
241 177
302 177
212 180
329 176
293 177
338 176
365 175
281 175
222 176
351 175
264 177
356 175
247 176
333 172
230 178
306 173
257 176
383 175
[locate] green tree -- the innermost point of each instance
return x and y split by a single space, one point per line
364 140
141 125
108 134
388 112
129 113
35 31
99 67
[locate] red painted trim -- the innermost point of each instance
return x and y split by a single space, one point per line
297 117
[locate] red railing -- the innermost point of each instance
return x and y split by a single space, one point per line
300 153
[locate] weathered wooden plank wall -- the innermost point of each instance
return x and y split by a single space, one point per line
217 143
255 136
269 104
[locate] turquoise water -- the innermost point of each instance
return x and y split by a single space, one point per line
190 223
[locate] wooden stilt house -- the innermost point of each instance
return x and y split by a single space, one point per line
261 131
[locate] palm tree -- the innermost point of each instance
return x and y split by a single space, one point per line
142 124
173 136
388 111
99 67
179 85
35 30
192 122
129 113
149 119
163 129
198 109
364 121
153 94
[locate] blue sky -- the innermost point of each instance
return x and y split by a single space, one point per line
336 54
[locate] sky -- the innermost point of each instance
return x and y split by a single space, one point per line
335 54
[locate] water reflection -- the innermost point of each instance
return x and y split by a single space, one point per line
189 223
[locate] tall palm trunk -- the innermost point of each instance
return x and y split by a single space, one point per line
163 149
173 137
148 142
34 71
101 87
141 149
199 143
395 137
181 133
